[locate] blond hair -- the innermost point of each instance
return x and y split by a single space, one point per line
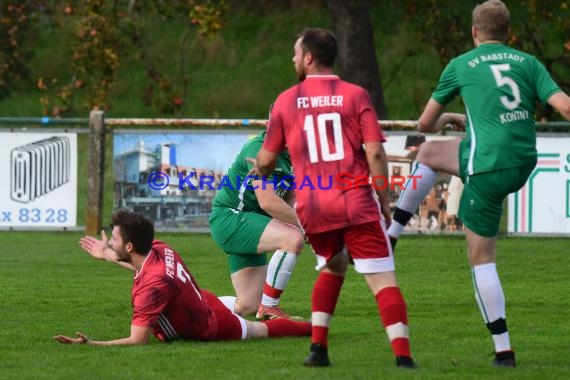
492 19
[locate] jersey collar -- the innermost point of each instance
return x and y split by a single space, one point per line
142 266
324 76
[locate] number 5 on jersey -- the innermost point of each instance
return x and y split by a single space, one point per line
323 120
503 80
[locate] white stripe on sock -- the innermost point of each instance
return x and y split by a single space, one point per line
320 318
397 330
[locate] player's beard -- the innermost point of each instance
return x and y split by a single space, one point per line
301 74
123 256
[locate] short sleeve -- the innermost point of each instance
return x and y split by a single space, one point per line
275 138
545 85
251 150
149 302
368 120
448 85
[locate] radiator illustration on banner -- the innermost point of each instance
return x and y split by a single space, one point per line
38 168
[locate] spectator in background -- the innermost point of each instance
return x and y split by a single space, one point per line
454 190
413 143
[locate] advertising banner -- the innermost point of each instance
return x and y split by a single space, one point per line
40 170
543 204
172 177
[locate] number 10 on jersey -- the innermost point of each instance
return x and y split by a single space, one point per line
323 120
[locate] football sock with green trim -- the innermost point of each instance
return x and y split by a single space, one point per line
279 272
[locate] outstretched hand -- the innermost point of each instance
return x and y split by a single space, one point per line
81 339
254 171
94 246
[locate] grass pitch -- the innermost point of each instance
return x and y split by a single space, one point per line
48 286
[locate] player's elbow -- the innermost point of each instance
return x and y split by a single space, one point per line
139 335
375 153
377 156
424 126
561 101
264 203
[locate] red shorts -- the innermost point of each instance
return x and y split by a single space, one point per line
367 245
230 325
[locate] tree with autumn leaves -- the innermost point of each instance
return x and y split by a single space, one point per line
98 34
15 31
102 35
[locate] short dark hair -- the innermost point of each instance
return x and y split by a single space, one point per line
135 229
321 43
492 20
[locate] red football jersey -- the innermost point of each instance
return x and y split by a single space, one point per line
323 122
165 296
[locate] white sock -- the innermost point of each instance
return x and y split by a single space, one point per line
411 197
491 300
229 302
279 271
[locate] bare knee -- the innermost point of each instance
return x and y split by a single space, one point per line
248 302
246 306
480 249
248 284
425 154
440 155
378 281
293 240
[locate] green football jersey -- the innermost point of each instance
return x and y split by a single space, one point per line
236 193
499 87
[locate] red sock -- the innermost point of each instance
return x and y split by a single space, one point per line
324 297
270 291
285 327
392 309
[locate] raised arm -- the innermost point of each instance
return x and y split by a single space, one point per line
100 250
433 119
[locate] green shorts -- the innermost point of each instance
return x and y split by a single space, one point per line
482 199
237 233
